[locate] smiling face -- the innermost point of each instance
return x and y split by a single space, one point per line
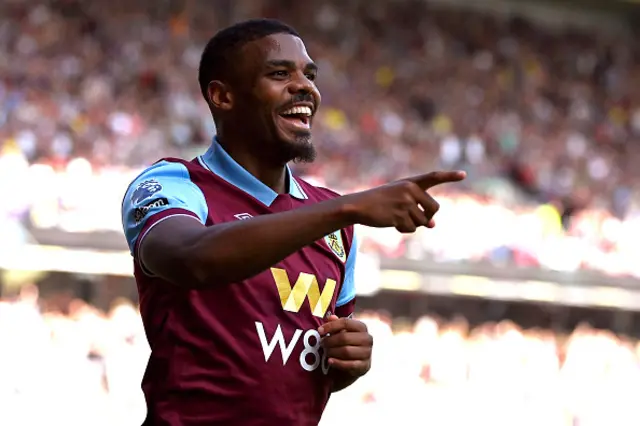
275 97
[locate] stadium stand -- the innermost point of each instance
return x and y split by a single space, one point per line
545 120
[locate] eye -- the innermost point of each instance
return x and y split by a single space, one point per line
280 74
311 76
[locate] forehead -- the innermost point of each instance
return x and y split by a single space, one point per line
276 47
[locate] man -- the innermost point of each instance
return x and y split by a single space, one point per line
241 267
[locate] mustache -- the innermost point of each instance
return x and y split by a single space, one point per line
300 97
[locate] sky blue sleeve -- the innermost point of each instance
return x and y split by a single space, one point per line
348 290
162 187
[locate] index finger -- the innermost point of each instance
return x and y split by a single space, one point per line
342 324
432 179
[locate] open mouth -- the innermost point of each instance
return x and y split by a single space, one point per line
298 117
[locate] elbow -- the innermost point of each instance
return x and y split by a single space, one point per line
183 267
197 271
210 262
204 270
185 254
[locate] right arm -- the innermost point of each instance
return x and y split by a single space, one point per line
180 247
172 245
167 232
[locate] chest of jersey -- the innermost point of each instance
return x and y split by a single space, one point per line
304 287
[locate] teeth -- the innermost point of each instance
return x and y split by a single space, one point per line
303 110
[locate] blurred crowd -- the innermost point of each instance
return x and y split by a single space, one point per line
444 372
547 123
79 365
72 366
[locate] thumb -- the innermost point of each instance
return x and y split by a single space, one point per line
332 318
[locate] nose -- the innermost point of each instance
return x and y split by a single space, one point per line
301 84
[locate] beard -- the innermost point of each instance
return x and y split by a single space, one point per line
303 150
300 150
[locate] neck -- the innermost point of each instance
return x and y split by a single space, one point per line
271 173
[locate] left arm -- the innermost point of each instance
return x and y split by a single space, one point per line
349 345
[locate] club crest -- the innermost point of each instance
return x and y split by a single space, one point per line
334 242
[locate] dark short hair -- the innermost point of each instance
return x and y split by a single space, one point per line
217 57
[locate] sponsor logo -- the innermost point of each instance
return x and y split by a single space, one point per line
145 190
140 212
334 242
242 216
312 355
305 287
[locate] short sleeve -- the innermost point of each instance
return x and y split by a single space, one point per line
163 190
346 297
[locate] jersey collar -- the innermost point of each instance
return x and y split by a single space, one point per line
218 161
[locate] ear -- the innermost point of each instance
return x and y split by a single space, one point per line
220 96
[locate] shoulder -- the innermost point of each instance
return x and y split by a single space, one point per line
163 189
167 176
318 192
148 181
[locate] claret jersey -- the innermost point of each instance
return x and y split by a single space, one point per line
246 353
